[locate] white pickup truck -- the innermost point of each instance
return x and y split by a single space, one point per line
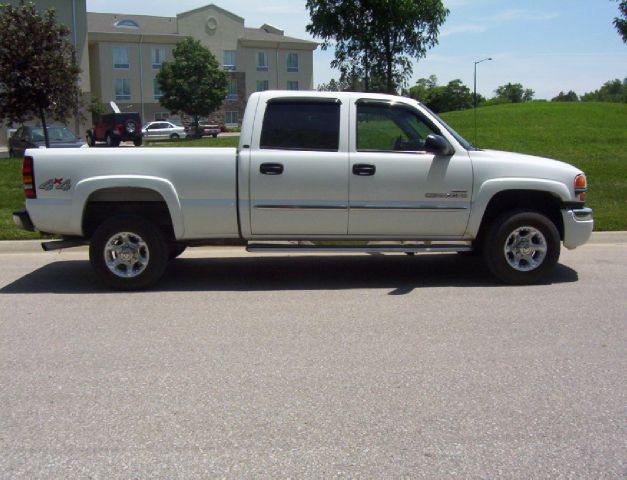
369 172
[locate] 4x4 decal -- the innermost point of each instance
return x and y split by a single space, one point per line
56 184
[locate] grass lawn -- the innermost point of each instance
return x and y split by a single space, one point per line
201 142
592 136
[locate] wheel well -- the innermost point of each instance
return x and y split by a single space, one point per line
542 202
142 202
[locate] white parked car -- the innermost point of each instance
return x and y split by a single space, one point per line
163 130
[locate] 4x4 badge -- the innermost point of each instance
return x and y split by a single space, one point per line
56 184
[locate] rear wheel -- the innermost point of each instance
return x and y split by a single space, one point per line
128 253
521 247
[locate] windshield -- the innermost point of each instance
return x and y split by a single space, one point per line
462 141
56 134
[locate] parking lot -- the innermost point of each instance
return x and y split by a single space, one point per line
376 366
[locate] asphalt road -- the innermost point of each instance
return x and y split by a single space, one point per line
318 366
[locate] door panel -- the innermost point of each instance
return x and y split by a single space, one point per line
299 169
396 187
309 196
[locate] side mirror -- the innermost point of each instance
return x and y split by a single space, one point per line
438 144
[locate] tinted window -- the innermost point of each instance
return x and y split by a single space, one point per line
390 128
301 125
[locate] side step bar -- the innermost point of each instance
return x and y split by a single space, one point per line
65 243
287 248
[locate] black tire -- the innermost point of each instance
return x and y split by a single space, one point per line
513 247
91 141
137 141
215 135
174 136
147 261
175 250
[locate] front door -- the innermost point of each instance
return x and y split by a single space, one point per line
396 187
299 169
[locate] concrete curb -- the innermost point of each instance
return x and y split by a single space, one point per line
34 246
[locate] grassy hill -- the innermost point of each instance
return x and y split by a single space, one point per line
592 136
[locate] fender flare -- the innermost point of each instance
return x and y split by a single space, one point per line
85 188
488 189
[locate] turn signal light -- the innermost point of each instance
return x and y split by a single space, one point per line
581 186
28 177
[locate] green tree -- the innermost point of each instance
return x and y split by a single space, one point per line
192 83
376 38
620 22
513 93
38 70
446 98
611 91
566 97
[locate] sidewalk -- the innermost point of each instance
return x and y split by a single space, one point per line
34 246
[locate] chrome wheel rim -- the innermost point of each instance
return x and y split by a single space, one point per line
525 249
126 255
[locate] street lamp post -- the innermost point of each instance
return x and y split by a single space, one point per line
475 95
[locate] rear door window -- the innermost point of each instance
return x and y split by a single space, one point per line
301 125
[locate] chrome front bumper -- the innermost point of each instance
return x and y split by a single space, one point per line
578 225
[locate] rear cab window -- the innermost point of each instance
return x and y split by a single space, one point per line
301 124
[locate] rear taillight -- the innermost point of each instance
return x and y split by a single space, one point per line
581 186
28 177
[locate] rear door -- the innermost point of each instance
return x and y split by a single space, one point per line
299 168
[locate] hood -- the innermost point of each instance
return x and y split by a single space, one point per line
519 164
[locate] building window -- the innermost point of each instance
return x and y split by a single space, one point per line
158 56
126 23
120 57
292 62
230 118
262 85
232 85
157 89
122 88
162 116
229 60
262 62
292 84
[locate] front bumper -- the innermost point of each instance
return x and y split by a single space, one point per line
578 225
22 221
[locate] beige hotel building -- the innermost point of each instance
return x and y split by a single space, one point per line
121 54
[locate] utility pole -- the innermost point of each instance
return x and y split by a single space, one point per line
475 95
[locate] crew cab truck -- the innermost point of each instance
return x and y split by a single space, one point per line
372 172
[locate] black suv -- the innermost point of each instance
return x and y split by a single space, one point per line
114 128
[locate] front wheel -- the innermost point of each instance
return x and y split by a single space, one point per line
174 136
128 253
521 247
